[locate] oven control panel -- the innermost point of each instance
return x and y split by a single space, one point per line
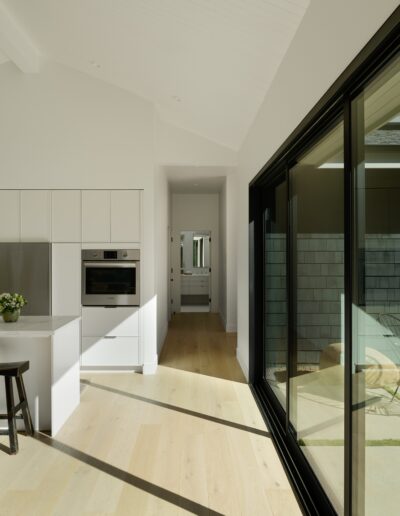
110 254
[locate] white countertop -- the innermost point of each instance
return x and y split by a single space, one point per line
35 325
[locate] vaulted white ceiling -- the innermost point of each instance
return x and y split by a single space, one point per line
3 58
206 64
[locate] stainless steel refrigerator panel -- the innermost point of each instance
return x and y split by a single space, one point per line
26 268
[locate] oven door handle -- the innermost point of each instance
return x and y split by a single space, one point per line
113 265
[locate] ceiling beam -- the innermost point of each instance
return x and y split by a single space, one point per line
16 45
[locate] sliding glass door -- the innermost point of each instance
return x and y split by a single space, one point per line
376 295
275 288
303 259
316 386
326 298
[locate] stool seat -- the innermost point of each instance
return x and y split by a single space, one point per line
13 368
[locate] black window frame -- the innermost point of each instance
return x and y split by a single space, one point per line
384 45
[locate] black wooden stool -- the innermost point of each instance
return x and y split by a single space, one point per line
9 371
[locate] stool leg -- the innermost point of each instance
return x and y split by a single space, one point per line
12 429
25 407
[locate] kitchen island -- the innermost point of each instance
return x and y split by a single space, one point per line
52 346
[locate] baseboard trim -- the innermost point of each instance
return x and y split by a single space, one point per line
110 369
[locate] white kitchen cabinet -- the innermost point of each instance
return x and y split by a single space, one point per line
35 216
10 207
110 351
66 279
110 336
66 215
121 321
96 220
125 216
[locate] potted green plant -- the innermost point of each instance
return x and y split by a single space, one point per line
10 306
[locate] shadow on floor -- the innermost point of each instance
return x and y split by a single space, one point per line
125 476
168 406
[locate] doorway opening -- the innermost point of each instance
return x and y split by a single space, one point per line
195 271
201 273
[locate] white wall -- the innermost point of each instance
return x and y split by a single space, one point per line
62 129
325 43
222 255
231 251
176 146
196 212
228 273
162 244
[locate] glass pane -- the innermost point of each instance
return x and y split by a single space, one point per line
317 376
275 303
108 280
376 291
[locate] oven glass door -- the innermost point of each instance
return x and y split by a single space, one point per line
110 279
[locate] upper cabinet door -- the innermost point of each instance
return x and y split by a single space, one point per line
95 216
35 216
125 216
66 215
10 203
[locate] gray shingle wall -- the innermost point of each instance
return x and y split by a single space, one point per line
382 292
275 297
320 285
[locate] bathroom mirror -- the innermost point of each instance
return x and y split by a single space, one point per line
195 251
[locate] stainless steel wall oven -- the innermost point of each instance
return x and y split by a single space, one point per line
110 277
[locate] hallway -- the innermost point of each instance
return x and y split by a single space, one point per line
197 342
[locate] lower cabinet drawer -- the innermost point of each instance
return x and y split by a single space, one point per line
199 290
110 351
121 321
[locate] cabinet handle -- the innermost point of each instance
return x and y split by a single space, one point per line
110 337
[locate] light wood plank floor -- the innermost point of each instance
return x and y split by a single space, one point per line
176 442
197 342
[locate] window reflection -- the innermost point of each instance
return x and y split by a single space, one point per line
275 293
376 308
317 383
